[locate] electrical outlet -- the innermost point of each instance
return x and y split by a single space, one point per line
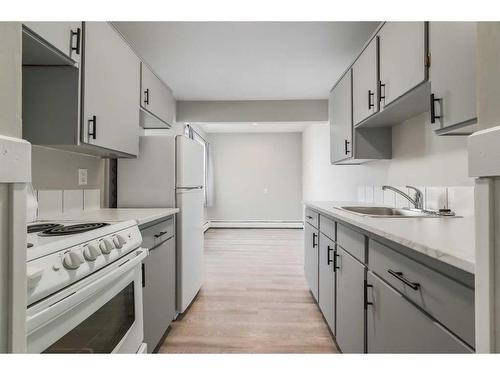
82 177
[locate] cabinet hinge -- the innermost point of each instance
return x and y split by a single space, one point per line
428 60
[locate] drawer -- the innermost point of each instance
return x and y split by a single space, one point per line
157 233
327 227
395 325
351 241
448 301
312 217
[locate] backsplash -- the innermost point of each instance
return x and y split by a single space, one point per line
459 199
57 202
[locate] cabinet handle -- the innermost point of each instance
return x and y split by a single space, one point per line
399 275
160 234
314 240
380 96
143 271
309 217
93 132
328 259
146 97
346 144
370 95
366 303
76 33
335 256
433 109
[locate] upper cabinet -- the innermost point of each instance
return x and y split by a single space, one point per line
350 145
452 49
402 59
365 93
110 115
340 114
404 69
52 43
91 108
157 101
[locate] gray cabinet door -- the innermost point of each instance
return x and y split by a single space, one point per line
365 101
394 325
452 47
62 35
111 81
327 280
340 115
402 58
159 292
156 97
311 258
350 317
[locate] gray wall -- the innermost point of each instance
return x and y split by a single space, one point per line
420 158
252 111
245 165
57 169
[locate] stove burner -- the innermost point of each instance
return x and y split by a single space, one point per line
41 227
71 229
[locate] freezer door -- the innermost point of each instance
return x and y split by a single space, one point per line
189 171
189 246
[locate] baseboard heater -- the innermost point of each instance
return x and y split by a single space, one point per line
253 224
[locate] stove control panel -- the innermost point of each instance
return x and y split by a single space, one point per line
57 270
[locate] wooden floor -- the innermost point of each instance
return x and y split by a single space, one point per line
254 298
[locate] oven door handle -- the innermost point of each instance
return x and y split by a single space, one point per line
52 311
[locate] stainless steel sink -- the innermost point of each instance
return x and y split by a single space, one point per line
386 211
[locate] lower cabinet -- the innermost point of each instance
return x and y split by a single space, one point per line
327 280
158 291
394 325
350 323
311 241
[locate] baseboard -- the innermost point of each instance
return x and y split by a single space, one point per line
255 224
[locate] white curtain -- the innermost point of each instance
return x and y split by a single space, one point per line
209 175
209 164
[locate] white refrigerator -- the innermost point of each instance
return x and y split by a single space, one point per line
169 172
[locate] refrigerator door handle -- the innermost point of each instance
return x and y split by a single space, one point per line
189 187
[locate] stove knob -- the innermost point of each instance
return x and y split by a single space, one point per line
106 246
119 241
72 259
91 252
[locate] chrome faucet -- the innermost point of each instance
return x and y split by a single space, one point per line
418 202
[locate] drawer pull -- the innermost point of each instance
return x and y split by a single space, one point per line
160 234
309 217
400 277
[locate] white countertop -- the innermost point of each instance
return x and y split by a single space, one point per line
448 239
141 215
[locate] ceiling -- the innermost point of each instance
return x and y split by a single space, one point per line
248 60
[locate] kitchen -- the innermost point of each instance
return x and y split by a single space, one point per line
195 199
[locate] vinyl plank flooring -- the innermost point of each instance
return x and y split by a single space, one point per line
254 298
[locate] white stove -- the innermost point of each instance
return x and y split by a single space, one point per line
57 259
84 279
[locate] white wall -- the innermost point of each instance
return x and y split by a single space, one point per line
245 165
419 158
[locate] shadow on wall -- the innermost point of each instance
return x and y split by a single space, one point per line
420 158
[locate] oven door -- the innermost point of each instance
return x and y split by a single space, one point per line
99 314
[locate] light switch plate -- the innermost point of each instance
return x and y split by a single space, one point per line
82 177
